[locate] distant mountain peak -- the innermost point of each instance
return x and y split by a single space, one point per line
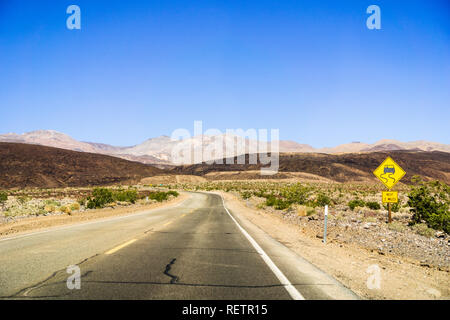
45 132
159 149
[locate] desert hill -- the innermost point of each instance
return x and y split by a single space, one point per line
27 165
346 167
158 151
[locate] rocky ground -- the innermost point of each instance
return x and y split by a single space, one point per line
369 229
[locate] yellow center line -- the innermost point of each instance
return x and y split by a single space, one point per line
183 215
167 223
120 247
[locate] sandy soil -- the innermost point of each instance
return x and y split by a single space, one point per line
401 278
44 222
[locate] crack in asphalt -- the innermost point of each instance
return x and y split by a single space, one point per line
174 279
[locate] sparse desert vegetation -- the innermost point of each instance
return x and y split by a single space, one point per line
18 204
427 202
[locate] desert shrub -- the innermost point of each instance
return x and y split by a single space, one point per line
277 203
23 199
100 197
429 202
296 193
322 200
81 201
246 195
423 230
270 200
92 203
162 196
397 226
49 208
65 209
158 196
303 211
260 194
261 205
352 204
52 203
373 205
126 195
3 197
282 204
173 193
75 206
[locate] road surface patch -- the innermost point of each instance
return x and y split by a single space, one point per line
293 292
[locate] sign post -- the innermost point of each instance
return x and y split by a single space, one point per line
325 225
389 173
389 213
389 197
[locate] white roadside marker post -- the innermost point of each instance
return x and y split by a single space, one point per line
325 225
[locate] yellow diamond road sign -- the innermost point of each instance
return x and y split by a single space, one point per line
389 172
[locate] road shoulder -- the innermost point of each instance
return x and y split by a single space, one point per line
349 264
308 279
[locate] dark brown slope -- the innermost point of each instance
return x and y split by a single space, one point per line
26 165
345 167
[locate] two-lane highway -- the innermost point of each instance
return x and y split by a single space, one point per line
195 250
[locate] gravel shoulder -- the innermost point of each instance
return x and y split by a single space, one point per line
32 224
354 248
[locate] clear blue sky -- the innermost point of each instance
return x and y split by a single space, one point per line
140 69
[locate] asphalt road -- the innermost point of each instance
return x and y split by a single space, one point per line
194 250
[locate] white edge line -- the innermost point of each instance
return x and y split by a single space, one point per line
293 292
82 224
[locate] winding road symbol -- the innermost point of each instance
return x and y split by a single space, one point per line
389 171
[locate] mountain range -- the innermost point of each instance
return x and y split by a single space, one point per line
158 151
